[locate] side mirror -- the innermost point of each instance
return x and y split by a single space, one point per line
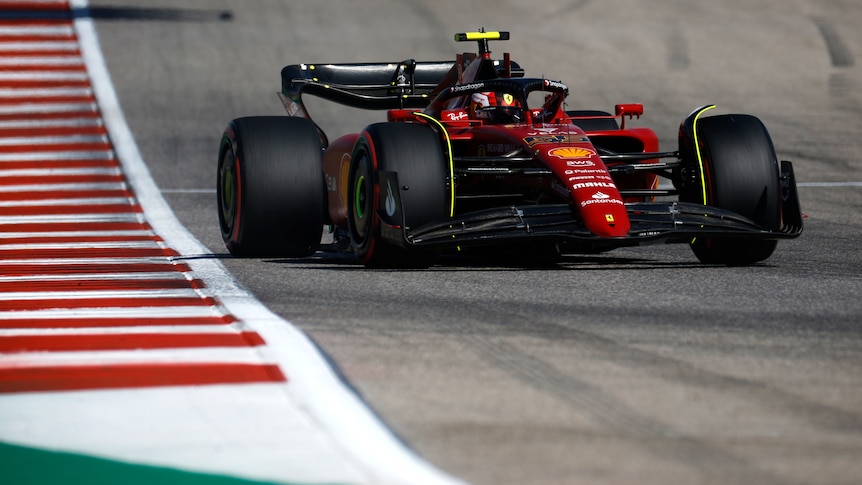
630 110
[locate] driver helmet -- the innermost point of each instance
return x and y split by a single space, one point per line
496 107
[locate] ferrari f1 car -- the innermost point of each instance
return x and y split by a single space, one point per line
473 154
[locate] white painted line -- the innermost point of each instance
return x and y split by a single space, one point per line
53 123
29 61
64 186
40 172
105 295
38 142
829 184
94 262
53 45
143 329
43 76
121 217
34 2
59 234
39 108
43 92
208 355
59 30
56 202
85 245
95 314
162 276
34 156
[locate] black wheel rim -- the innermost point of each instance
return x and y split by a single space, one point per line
361 201
228 193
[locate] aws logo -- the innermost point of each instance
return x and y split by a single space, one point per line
572 153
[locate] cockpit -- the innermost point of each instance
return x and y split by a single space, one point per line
503 101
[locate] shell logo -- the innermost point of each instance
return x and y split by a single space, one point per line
571 153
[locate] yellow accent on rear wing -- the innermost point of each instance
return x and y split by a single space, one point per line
468 36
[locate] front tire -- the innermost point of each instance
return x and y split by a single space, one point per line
741 174
414 153
270 188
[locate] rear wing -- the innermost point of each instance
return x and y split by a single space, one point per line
376 86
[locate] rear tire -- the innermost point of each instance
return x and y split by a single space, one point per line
414 152
741 175
270 188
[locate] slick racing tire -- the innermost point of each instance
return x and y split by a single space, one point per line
270 188
742 176
415 154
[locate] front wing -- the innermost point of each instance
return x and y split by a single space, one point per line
650 221
671 221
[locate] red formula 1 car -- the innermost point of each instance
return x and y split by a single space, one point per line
474 154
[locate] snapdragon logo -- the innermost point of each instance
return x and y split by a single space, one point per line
466 87
555 84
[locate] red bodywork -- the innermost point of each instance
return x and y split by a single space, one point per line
564 162
555 142
580 177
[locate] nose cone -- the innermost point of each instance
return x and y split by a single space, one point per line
592 189
603 211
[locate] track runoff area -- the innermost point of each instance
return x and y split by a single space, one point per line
127 355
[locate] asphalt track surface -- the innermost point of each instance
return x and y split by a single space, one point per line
634 366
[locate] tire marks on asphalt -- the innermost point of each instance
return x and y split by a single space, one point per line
618 417
839 52
677 46
843 89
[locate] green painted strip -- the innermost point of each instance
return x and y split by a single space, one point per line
22 465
